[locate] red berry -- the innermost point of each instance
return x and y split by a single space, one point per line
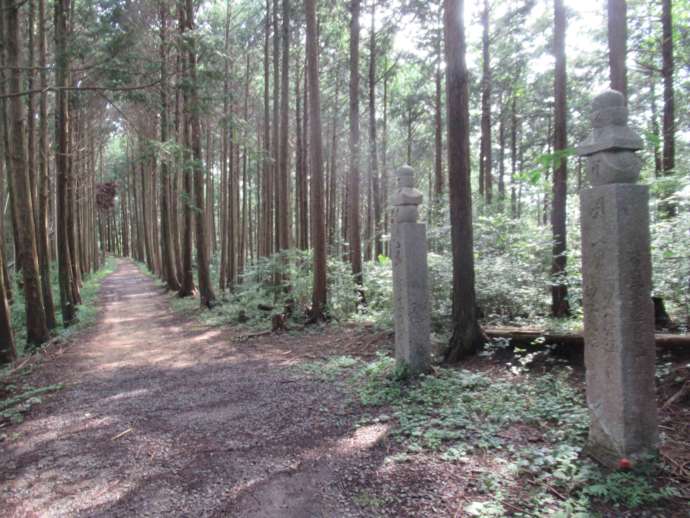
624 464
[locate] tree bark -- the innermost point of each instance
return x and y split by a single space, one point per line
618 35
187 286
669 101
266 220
467 336
206 295
559 291
168 260
485 162
283 170
319 293
8 352
354 236
36 325
43 176
373 148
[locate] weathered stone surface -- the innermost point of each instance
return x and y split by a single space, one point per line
609 126
619 321
617 273
410 285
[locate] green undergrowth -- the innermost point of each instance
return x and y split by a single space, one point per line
526 431
86 312
17 396
13 407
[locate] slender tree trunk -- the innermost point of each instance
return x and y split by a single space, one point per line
304 170
8 352
178 219
559 290
513 154
319 293
36 325
302 240
373 151
167 250
44 178
206 295
658 163
266 227
124 207
618 35
501 156
353 223
187 287
226 151
438 135
333 176
283 166
667 73
485 173
467 336
31 110
384 157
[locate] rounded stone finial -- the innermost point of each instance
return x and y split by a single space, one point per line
608 109
405 176
404 170
608 99
610 131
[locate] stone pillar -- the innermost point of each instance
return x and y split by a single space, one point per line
617 281
410 286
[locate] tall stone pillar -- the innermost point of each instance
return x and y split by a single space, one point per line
617 280
410 285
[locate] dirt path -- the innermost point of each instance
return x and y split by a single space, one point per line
161 416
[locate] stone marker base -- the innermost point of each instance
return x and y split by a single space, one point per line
619 329
412 325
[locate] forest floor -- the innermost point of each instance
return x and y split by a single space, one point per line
161 415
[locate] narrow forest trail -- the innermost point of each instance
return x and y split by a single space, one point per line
162 416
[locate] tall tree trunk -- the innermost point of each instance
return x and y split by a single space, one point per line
353 192
226 151
373 151
318 233
513 154
667 73
333 171
124 208
266 226
206 295
36 325
168 260
31 110
559 290
485 162
300 195
501 154
244 241
467 336
8 352
43 176
618 35
283 215
384 156
187 287
304 168
658 163
438 135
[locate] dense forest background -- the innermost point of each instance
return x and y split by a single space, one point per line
244 151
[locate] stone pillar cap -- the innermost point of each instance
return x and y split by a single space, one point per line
404 170
610 131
